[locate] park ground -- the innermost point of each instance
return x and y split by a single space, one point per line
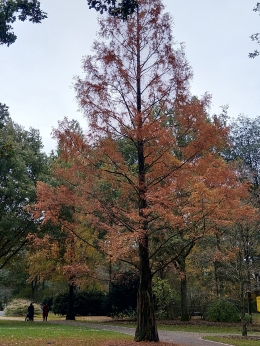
172 333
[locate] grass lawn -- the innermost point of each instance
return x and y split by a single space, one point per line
38 333
234 341
41 334
195 325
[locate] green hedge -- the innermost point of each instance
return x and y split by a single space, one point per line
85 303
223 311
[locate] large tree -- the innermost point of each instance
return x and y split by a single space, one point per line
149 175
10 10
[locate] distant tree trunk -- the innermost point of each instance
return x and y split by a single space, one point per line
242 300
146 324
184 302
70 313
243 322
34 287
249 298
217 269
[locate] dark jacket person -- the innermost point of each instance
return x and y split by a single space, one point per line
31 312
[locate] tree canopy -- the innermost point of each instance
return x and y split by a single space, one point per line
117 8
10 10
21 164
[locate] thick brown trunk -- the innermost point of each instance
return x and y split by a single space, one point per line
146 324
70 313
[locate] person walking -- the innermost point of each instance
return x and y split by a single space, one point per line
45 311
30 312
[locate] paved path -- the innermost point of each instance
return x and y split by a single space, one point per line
180 338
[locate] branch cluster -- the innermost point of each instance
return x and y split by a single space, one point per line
117 9
10 10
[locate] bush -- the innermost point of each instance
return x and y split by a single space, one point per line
85 303
122 298
60 304
223 311
167 301
17 308
90 303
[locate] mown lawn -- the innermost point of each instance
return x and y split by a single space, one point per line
196 325
38 333
235 341
42 334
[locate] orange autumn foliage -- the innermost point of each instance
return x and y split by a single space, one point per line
149 173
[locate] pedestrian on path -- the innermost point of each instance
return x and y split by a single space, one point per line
30 314
45 312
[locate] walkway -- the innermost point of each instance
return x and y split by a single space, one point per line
181 338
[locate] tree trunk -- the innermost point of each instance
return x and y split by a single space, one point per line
184 303
242 309
70 313
244 325
249 300
146 324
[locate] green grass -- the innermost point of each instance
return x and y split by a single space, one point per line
39 334
220 329
234 342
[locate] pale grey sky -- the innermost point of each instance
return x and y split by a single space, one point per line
36 72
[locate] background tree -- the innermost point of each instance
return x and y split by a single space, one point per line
10 10
51 258
21 164
245 138
63 254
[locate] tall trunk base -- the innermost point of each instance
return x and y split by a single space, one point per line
147 335
70 312
146 323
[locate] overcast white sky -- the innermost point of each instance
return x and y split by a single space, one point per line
36 72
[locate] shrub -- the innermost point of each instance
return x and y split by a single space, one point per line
17 308
223 311
167 301
90 303
122 298
85 303
60 304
